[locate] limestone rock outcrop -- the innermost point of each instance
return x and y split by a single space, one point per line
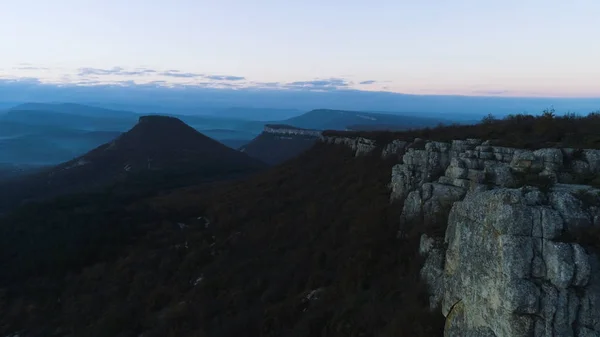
289 130
507 265
361 146
508 273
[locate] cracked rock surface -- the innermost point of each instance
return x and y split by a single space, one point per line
507 273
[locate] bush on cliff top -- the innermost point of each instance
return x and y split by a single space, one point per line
520 131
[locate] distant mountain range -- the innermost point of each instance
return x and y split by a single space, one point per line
51 133
75 109
324 119
65 120
48 134
157 147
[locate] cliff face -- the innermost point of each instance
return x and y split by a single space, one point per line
279 143
508 273
505 266
285 130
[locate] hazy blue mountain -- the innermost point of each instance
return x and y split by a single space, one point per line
325 119
157 147
189 99
53 133
255 114
49 137
50 147
69 120
74 109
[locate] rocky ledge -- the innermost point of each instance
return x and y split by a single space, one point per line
505 269
505 266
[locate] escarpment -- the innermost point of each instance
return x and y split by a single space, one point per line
279 143
500 255
280 129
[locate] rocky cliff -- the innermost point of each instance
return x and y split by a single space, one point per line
279 143
508 264
290 130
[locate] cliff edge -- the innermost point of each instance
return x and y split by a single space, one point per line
503 251
279 143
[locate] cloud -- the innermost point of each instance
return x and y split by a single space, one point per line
326 84
30 68
368 82
179 74
225 78
114 71
266 84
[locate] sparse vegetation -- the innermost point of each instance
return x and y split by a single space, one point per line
520 131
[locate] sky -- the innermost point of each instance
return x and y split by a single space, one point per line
539 48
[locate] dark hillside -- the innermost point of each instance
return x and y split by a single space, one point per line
279 143
308 248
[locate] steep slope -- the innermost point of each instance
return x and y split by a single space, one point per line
325 119
308 248
159 146
278 143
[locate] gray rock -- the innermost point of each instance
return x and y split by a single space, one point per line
580 167
525 161
550 157
455 172
394 150
477 176
431 201
570 209
500 269
505 276
462 145
593 159
433 268
558 257
551 222
583 269
501 175
419 167
364 146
